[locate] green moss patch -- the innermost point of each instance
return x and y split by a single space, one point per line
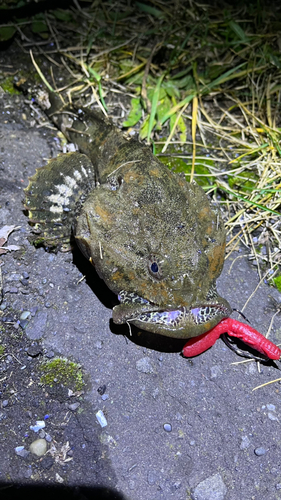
62 371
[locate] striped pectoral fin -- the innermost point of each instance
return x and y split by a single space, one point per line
53 194
234 328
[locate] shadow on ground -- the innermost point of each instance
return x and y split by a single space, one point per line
17 491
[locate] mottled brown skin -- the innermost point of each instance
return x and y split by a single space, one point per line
153 237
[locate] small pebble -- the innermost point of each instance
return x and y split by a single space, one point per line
21 451
271 407
245 443
33 310
144 365
212 488
25 315
25 275
47 462
260 451
59 479
34 350
151 477
272 416
105 397
215 371
5 403
38 447
101 419
49 354
101 390
40 424
24 282
98 344
73 406
36 328
167 427
23 323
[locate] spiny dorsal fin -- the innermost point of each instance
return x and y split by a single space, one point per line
53 195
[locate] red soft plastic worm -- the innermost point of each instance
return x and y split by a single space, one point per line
234 328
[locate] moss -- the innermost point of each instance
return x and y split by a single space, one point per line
8 85
277 282
2 350
62 371
245 180
177 164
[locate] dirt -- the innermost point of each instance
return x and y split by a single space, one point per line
176 428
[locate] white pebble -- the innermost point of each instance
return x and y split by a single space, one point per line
40 424
38 447
101 419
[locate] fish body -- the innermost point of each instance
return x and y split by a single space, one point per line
154 238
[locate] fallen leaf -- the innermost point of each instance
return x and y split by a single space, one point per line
5 231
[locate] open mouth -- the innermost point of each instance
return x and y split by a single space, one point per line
197 315
142 311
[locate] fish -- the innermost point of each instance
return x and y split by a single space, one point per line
156 240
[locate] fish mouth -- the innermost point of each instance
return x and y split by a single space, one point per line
178 322
198 315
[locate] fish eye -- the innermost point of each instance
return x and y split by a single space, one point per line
154 266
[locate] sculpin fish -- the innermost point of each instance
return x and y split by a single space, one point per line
154 238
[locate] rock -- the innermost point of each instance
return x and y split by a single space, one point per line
21 451
47 462
101 390
245 443
24 282
23 323
73 406
212 488
152 476
215 371
25 315
260 451
101 419
34 350
40 424
38 447
36 328
167 427
272 416
144 365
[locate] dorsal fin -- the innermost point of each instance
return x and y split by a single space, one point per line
54 194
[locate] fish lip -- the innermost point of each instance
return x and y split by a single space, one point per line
197 312
154 317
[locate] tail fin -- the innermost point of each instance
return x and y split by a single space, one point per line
54 195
